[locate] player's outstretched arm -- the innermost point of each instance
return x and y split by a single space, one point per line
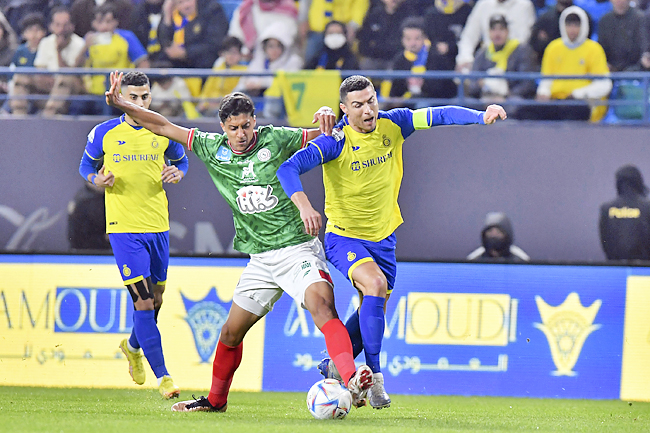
494 112
154 122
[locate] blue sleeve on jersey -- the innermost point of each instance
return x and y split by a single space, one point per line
136 50
182 164
299 163
320 150
176 154
454 115
402 117
94 151
88 166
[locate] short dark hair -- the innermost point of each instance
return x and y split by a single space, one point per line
59 9
231 42
135 78
573 18
32 19
107 8
353 84
334 23
234 104
413 23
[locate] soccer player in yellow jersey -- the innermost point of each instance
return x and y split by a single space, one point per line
130 162
362 173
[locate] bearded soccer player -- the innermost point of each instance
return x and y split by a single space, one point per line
285 255
137 219
362 173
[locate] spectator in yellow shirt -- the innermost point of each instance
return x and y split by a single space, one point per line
572 54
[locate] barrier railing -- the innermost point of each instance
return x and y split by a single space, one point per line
639 82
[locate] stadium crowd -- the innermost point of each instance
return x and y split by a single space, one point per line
551 37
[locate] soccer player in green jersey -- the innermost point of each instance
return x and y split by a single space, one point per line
285 254
128 161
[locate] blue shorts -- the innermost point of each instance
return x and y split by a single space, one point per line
346 254
140 255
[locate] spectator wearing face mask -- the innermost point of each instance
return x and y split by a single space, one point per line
496 239
336 53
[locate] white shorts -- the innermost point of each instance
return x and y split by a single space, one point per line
290 269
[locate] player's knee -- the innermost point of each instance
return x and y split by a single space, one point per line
319 300
230 336
322 312
144 304
375 286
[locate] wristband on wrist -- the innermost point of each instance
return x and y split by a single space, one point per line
92 179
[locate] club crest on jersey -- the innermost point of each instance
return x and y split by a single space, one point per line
223 154
248 174
264 155
385 140
255 199
154 143
351 256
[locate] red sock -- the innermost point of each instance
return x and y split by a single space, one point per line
226 361
339 348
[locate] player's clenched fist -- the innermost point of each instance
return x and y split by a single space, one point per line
493 112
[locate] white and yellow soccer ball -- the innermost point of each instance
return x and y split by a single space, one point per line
329 399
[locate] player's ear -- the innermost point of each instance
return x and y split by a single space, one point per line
343 107
254 121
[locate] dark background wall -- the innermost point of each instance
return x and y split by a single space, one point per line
549 178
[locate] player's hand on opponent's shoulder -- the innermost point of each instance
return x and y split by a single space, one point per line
494 112
113 95
326 118
171 174
104 179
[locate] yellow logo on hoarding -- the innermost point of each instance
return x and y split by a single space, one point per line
566 327
468 319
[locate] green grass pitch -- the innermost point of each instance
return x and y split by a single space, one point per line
24 409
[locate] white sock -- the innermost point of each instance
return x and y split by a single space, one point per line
131 348
160 379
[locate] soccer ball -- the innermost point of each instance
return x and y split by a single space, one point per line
329 399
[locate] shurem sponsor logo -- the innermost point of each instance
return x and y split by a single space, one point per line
358 165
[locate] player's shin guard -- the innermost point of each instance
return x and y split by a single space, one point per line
339 348
147 334
226 361
372 322
352 325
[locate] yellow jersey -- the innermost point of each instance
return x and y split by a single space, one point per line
362 172
586 59
136 203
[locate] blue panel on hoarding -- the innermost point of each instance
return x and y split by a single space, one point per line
93 310
475 329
